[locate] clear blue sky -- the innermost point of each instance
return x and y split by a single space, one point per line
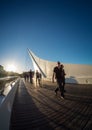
53 29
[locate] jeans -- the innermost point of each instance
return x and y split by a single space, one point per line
60 86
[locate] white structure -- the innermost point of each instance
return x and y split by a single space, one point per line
75 73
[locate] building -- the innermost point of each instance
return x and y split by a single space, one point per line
75 73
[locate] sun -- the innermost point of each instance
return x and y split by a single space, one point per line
11 68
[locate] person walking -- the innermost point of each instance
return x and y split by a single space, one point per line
63 76
58 75
31 76
38 78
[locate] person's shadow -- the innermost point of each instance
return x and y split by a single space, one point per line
71 79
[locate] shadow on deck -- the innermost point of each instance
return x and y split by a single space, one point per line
38 108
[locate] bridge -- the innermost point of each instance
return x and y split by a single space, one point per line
26 106
37 108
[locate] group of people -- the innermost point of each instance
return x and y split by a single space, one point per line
59 75
28 76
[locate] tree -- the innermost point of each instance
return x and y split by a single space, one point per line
1 68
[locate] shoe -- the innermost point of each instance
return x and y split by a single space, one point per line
56 92
61 97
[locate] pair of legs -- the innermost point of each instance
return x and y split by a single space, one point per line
31 80
60 86
39 81
64 84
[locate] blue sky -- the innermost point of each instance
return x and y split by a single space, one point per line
53 29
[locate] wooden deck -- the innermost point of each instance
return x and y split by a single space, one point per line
38 108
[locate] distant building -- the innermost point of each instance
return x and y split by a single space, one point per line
75 73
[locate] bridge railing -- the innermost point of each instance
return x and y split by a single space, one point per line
6 81
7 103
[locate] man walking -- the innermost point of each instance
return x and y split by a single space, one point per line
58 75
38 78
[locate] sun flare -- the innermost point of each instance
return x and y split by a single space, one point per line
11 67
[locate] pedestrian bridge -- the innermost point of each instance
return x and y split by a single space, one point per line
38 108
